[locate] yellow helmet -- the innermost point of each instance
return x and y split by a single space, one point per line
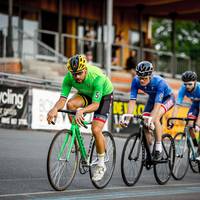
76 63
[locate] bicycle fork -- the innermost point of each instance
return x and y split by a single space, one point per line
64 145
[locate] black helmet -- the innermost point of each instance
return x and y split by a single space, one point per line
144 68
189 76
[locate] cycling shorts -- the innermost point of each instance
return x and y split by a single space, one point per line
167 103
194 110
101 114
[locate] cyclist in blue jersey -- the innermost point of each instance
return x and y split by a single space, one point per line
191 89
160 100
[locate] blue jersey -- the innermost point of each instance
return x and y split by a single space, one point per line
194 95
157 88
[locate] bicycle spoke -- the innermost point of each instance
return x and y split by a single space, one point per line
162 169
131 167
109 160
60 171
181 156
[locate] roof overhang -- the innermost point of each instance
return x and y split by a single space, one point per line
180 9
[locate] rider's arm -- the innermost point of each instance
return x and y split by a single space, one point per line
90 108
54 111
66 87
60 103
134 89
181 94
131 105
133 96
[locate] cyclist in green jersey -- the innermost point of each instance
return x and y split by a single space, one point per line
95 93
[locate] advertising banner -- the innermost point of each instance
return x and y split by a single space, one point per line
13 105
119 108
42 102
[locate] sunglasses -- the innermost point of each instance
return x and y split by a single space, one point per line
188 84
143 78
77 73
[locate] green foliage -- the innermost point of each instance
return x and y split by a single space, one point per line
187 40
187 37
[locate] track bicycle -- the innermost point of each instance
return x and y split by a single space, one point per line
137 154
67 152
186 152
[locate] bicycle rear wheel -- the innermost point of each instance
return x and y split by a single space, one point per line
132 158
110 160
61 171
163 168
194 164
181 162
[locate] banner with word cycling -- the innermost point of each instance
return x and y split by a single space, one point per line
13 105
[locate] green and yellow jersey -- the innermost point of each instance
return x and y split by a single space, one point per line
96 84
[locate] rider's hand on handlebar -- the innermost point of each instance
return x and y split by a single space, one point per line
79 117
124 123
125 120
52 115
149 122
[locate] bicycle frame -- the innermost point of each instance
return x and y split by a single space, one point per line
76 134
187 133
142 139
146 146
68 151
190 141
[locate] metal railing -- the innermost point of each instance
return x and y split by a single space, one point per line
163 61
26 46
29 81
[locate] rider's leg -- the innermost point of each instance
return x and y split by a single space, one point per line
147 112
148 132
77 101
97 127
100 169
100 117
167 104
159 129
193 114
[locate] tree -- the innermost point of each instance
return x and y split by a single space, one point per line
187 38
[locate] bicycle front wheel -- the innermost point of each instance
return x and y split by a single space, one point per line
109 160
133 155
163 168
181 162
61 171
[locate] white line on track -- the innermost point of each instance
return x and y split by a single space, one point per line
110 188
22 179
